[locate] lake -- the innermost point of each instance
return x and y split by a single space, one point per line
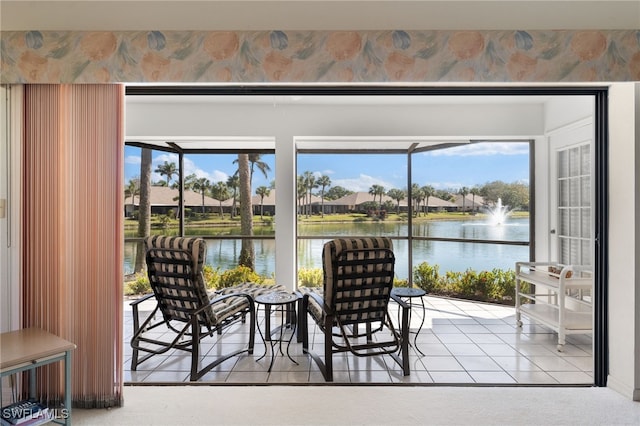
450 256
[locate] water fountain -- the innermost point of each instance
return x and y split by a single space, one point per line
499 213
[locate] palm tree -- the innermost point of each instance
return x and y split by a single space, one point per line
201 185
167 169
464 191
397 195
190 181
132 189
233 182
255 161
376 190
220 191
302 194
262 191
323 182
247 254
427 191
417 195
309 180
474 191
144 209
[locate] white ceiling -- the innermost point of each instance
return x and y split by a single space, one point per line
248 15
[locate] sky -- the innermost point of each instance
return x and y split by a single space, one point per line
451 168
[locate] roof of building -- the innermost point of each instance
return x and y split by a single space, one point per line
165 196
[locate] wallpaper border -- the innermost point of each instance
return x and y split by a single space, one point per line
319 56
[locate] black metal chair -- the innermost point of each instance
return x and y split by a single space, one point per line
184 307
358 278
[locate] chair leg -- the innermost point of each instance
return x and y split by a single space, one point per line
195 347
404 343
252 327
303 325
328 351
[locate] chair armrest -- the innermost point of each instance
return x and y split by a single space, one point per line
142 299
320 301
221 298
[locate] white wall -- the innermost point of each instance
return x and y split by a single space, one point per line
624 237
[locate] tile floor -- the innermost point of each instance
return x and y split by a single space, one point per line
461 342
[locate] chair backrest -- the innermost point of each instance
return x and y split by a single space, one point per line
174 267
358 277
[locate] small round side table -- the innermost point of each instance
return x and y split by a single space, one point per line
282 302
408 294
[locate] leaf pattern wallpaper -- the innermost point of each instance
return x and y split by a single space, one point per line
319 56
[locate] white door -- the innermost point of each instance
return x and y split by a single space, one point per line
571 195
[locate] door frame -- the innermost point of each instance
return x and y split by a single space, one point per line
601 166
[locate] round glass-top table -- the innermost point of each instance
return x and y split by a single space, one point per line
282 302
408 294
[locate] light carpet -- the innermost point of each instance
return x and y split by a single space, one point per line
365 405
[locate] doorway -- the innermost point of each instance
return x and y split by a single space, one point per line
390 95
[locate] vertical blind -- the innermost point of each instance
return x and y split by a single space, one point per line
72 233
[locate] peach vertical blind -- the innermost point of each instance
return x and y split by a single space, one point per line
72 233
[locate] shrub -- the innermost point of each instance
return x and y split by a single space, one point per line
211 276
238 275
140 285
310 277
503 287
397 282
427 277
496 285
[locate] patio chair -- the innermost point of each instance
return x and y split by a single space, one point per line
358 278
184 308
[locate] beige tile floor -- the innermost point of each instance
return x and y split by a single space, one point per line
461 342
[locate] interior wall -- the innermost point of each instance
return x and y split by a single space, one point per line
624 234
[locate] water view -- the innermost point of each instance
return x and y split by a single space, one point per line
450 256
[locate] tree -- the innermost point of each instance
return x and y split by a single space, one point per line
144 209
167 169
428 191
233 182
444 194
247 254
516 196
464 191
336 192
301 190
309 181
397 195
377 190
201 185
323 182
132 189
262 191
256 161
190 181
417 196
474 191
491 191
220 191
